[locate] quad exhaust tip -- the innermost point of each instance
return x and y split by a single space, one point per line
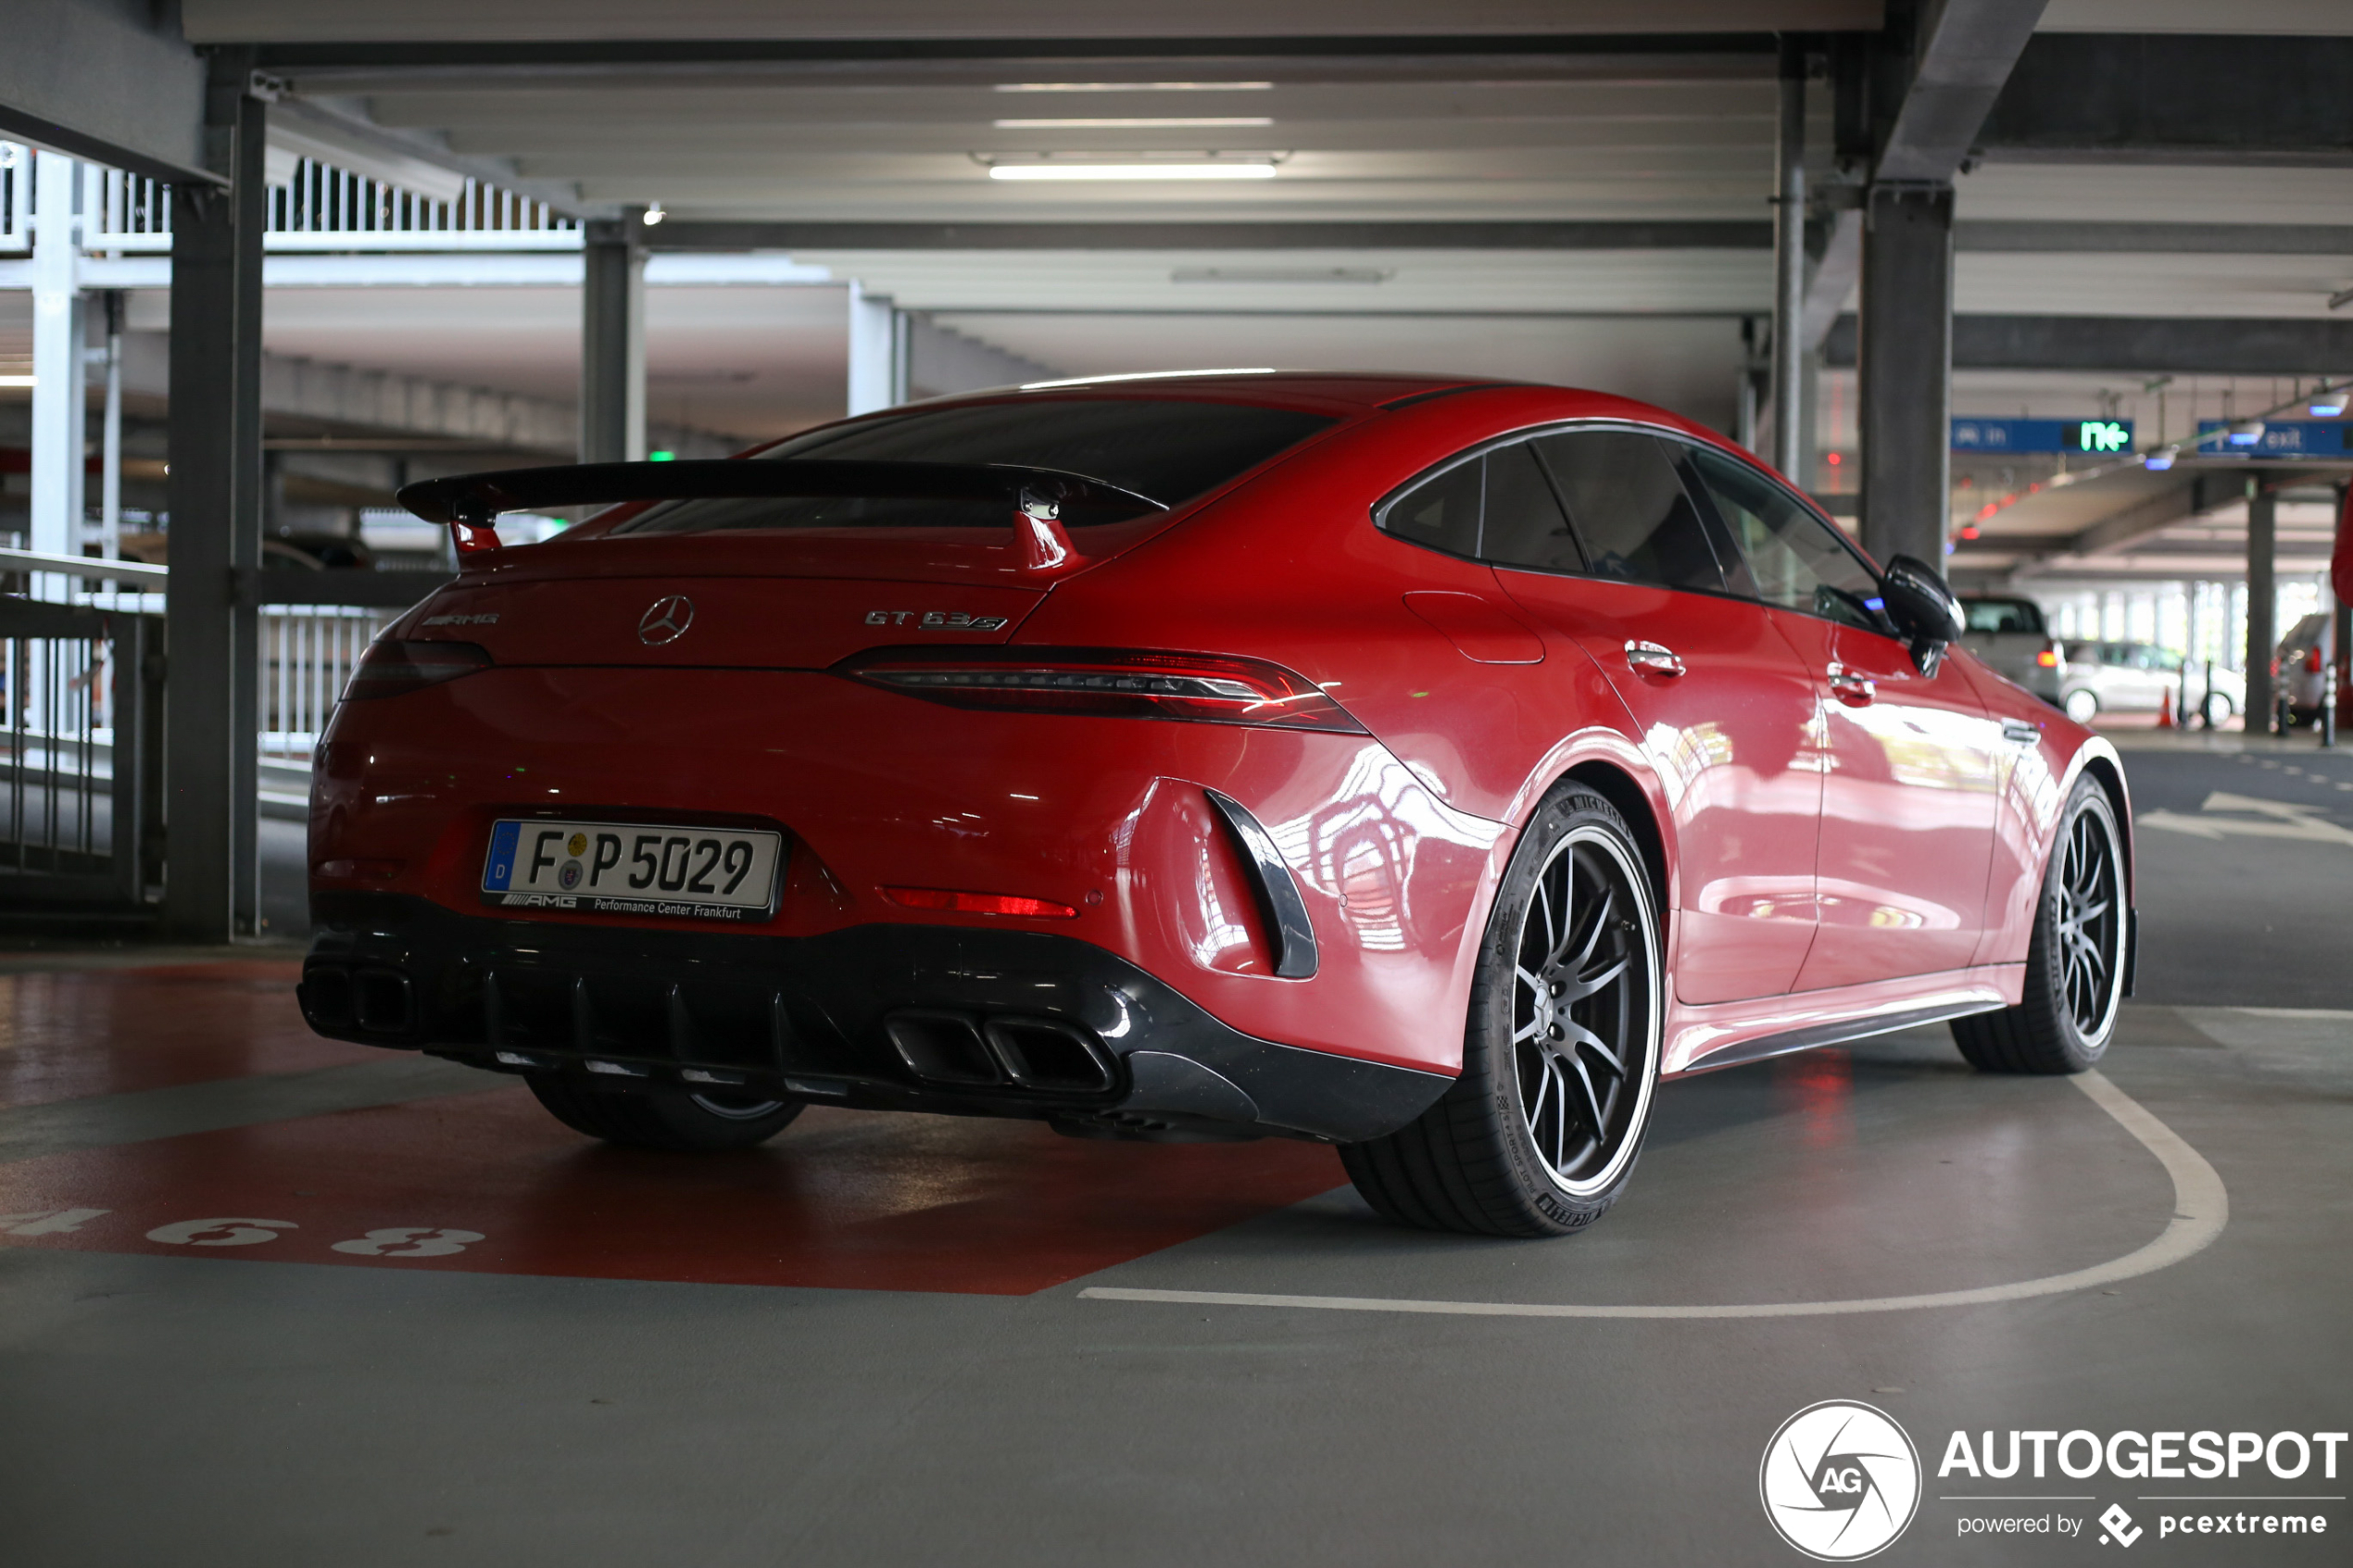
966 1050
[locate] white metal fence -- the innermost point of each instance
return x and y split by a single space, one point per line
318 208
332 209
308 653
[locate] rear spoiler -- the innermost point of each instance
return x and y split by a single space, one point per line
471 503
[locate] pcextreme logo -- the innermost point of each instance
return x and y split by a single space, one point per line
1839 1481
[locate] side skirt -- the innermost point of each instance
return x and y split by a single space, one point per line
1829 1035
1704 1039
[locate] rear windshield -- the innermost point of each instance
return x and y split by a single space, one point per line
2004 615
1166 450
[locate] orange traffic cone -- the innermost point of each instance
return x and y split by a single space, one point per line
2165 710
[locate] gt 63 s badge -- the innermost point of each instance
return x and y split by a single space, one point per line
936 619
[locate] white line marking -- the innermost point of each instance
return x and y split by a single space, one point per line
2201 1207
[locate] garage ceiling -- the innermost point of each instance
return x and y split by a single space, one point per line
893 111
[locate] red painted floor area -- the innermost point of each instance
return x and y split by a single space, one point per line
490 1182
68 1034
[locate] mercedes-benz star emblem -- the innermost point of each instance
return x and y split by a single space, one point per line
666 622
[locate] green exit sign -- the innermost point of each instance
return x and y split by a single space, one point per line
2103 435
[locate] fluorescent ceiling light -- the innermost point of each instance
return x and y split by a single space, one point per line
15 380
2245 433
1171 123
1280 275
1131 171
1135 86
2161 459
2327 405
1145 375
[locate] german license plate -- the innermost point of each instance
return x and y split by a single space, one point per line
633 868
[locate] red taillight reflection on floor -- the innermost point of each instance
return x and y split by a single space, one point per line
488 1183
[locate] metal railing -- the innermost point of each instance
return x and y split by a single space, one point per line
80 756
308 653
322 207
308 649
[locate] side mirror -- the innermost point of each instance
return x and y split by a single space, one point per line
1924 611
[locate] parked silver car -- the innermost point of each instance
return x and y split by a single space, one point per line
2138 677
2301 661
2009 634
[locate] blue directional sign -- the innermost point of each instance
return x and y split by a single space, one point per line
2099 438
2280 438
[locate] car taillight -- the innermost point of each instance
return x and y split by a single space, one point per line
390 668
2048 659
1106 683
2312 659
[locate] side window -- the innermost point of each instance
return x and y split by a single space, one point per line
1441 512
1525 525
1796 559
1630 509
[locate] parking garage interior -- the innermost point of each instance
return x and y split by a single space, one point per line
2058 294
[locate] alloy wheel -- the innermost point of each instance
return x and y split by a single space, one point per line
1584 1012
2087 919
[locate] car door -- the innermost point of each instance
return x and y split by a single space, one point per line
1591 533
1909 799
2121 683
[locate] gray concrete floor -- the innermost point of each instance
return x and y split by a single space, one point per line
201 1409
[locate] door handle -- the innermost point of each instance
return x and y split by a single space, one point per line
1650 658
1852 686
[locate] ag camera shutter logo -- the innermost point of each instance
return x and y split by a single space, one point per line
1839 1481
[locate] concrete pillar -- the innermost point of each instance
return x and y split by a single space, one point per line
612 343
2262 598
1905 370
211 692
58 371
1789 268
877 353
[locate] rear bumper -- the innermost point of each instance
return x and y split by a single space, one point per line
879 1017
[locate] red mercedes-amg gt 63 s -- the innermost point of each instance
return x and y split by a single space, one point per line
1427 767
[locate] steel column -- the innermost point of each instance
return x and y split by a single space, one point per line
1789 268
1904 359
612 343
2263 599
216 463
110 434
58 370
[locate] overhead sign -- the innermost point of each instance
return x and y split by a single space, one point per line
2099 438
2280 438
